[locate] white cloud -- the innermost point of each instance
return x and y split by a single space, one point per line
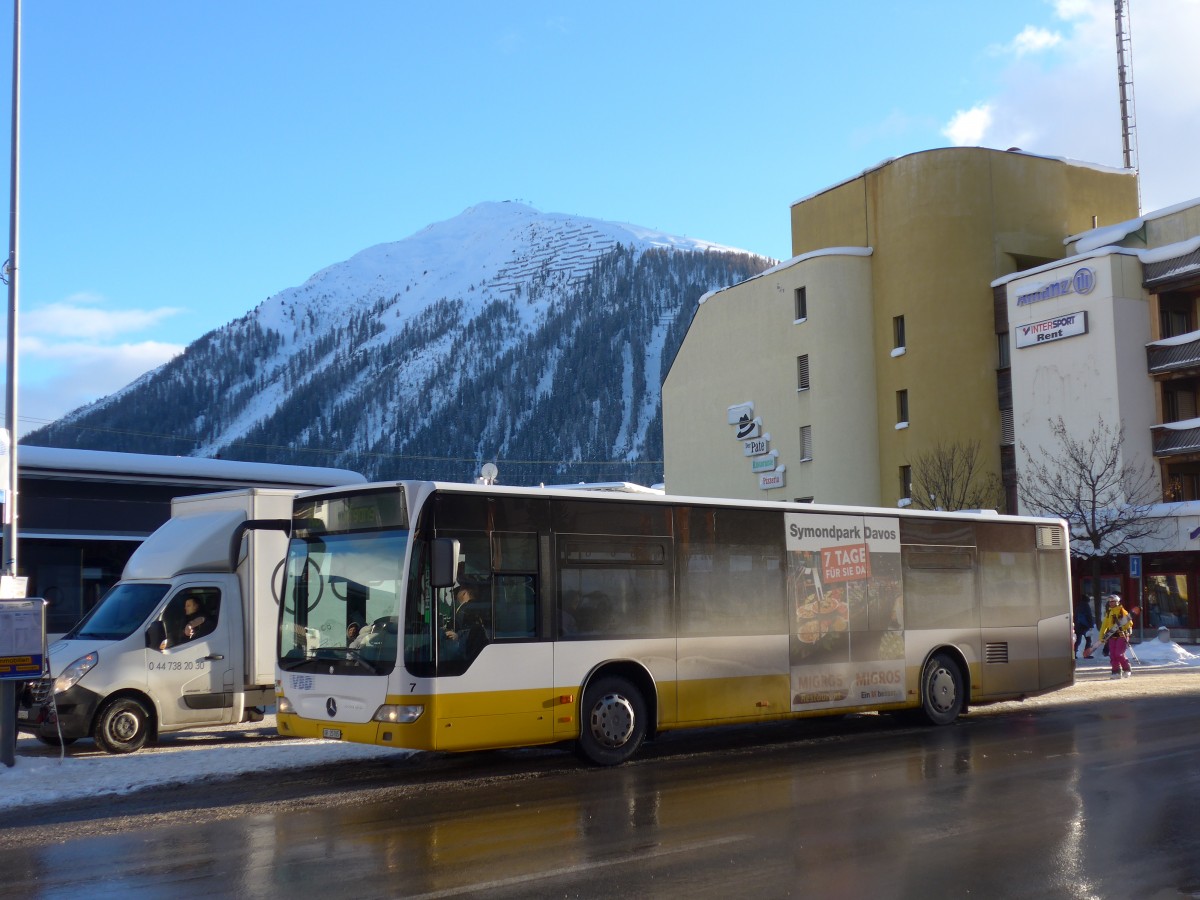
969 126
77 350
1034 40
81 373
1066 103
83 315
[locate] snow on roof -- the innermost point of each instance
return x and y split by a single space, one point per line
1188 338
624 487
135 464
1146 257
1112 234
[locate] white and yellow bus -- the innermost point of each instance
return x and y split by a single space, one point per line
451 617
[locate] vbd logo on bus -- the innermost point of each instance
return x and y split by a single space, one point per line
331 707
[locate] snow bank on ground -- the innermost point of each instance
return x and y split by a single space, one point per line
1148 654
43 775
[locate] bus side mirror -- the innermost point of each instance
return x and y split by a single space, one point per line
443 562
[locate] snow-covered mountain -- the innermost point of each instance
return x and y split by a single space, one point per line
533 340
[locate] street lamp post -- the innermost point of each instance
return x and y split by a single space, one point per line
8 687
11 269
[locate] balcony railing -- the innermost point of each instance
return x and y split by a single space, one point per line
1176 438
1174 353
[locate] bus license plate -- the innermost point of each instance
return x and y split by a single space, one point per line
333 734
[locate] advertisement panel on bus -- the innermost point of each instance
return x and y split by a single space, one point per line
846 599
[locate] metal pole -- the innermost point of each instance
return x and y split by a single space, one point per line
10 511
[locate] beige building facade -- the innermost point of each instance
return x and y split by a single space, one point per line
1112 333
825 377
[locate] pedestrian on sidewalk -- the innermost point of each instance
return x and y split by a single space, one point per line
1115 631
1083 626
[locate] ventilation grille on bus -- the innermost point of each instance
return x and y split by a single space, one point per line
1050 537
996 653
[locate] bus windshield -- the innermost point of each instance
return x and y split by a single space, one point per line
342 590
341 601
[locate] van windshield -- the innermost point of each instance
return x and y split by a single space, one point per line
120 612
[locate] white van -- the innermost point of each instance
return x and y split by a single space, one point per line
185 639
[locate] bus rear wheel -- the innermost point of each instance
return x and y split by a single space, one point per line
614 721
942 690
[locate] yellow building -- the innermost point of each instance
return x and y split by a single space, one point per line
825 377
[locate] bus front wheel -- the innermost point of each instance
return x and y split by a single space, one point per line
942 690
614 721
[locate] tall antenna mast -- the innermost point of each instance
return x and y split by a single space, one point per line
1129 154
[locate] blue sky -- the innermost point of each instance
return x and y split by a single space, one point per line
181 162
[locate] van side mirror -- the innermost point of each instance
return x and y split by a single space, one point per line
155 635
443 562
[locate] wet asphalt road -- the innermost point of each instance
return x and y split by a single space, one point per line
1091 792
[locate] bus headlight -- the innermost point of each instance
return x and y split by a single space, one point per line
398 715
76 670
283 706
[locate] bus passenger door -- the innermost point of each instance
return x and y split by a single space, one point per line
498 691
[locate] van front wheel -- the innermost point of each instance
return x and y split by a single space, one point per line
123 726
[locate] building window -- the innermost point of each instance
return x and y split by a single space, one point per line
801 304
805 443
1002 360
898 332
1178 406
901 409
802 373
1174 317
906 483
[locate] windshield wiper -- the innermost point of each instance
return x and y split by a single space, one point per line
347 654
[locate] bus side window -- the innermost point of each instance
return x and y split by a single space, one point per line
515 581
515 607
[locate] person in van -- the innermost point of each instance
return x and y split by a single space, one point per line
197 622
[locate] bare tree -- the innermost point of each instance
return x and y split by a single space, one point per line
949 477
1106 500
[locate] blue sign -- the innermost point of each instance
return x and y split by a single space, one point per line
1135 566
